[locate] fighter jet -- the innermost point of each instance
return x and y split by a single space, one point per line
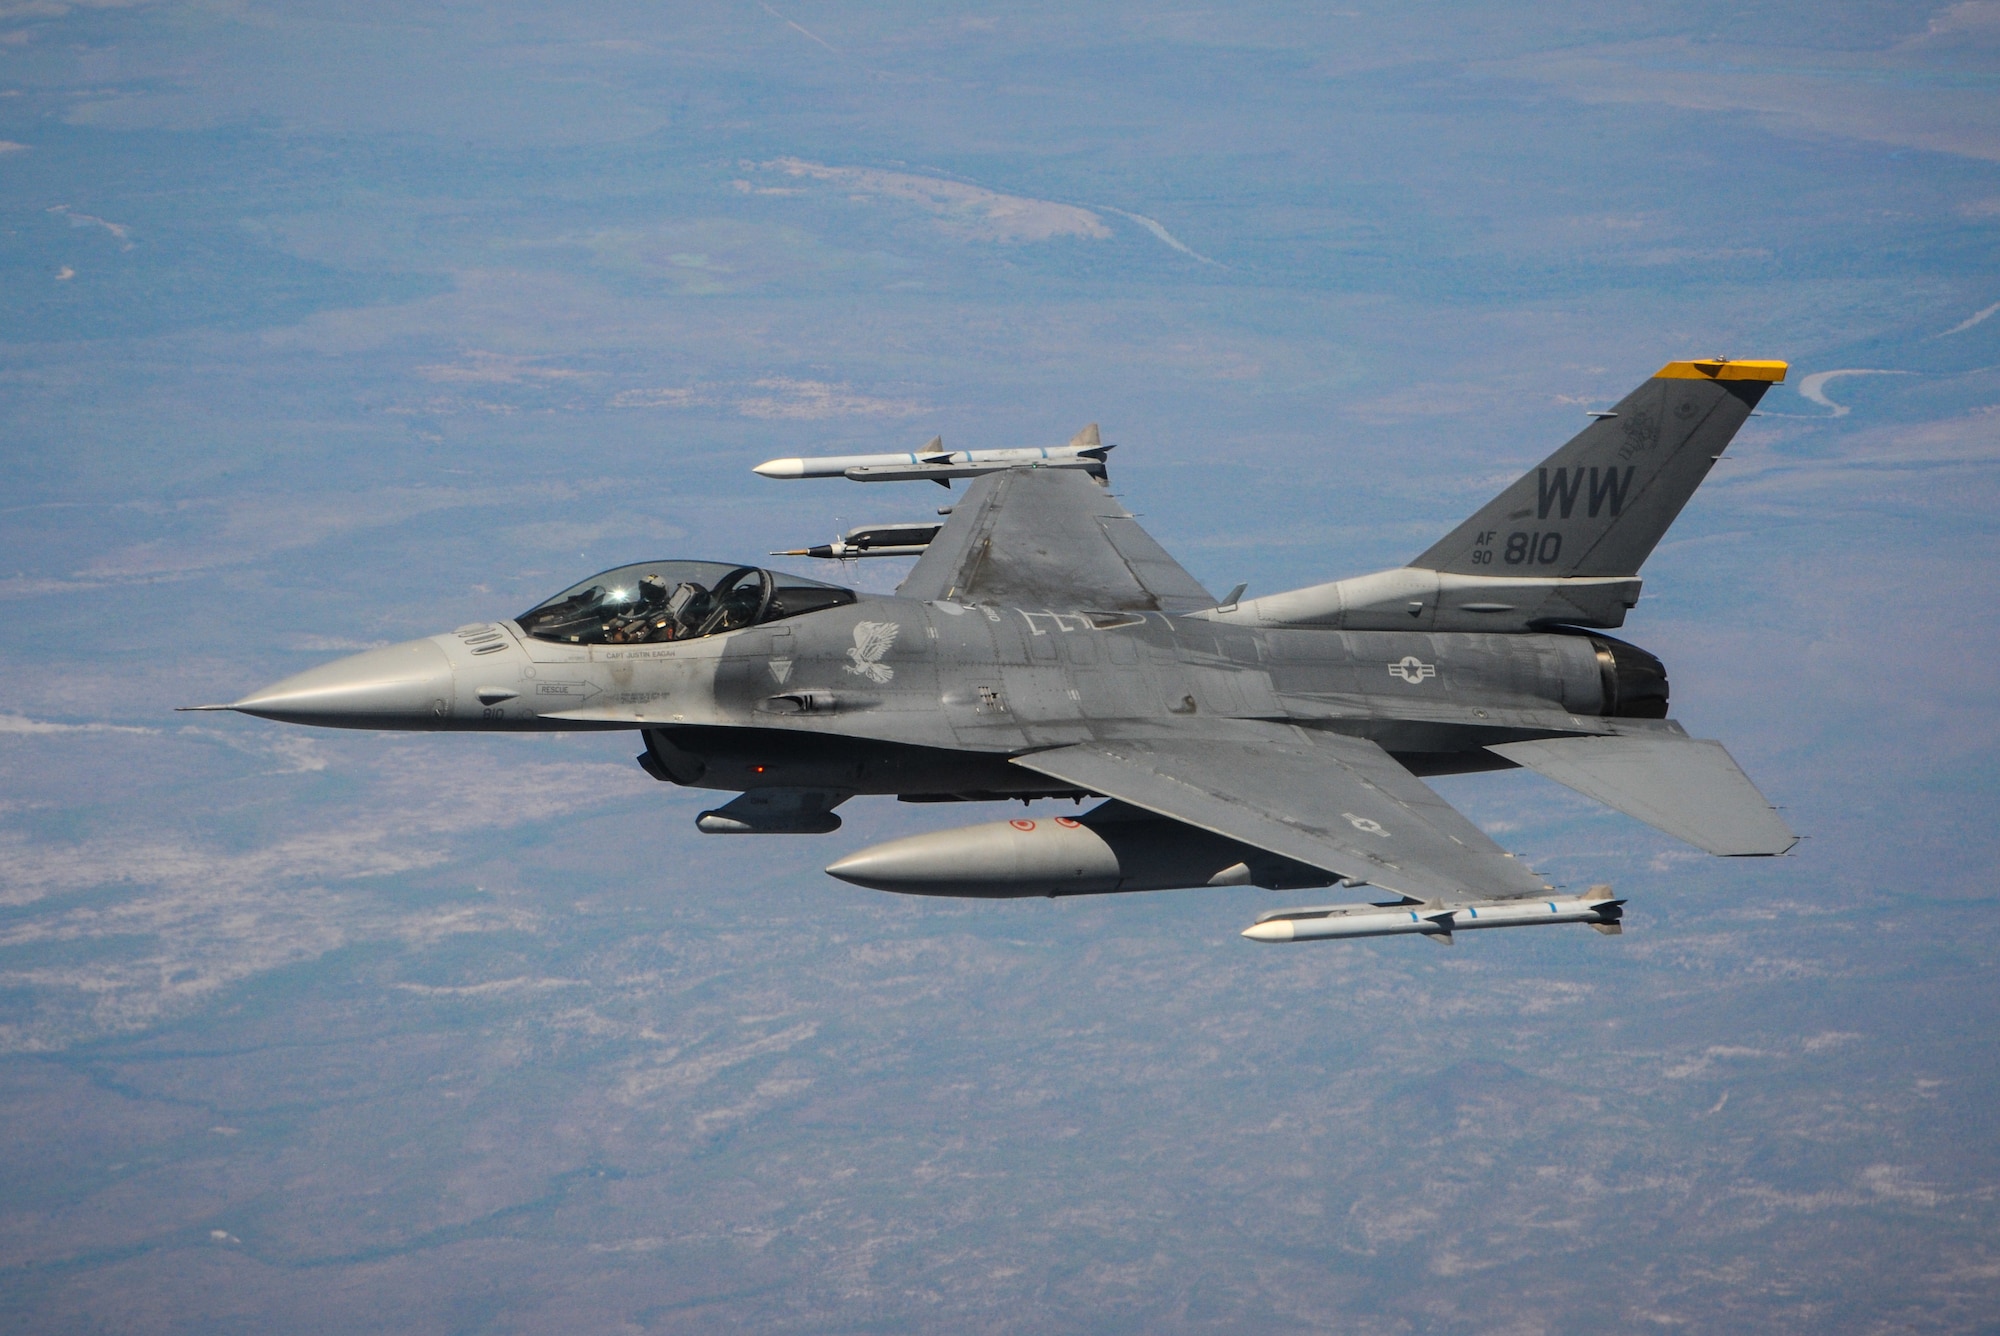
1044 646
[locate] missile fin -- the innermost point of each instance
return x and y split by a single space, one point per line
1444 917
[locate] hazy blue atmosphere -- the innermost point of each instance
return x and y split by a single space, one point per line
320 329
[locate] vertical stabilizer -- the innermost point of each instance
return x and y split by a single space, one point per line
1598 506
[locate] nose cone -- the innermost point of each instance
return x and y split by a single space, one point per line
782 468
895 866
403 686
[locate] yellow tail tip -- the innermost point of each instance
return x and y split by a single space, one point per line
1723 368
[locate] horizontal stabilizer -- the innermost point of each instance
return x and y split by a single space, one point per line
1689 788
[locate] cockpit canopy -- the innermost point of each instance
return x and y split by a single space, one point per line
658 601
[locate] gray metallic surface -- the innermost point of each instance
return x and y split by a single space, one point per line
1015 539
1609 495
1690 788
775 811
1333 802
1045 645
1113 847
397 686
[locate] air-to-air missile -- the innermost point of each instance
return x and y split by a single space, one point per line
1597 908
934 463
873 540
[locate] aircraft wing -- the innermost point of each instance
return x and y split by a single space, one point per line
1050 538
1331 801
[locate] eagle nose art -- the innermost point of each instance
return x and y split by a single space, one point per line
396 685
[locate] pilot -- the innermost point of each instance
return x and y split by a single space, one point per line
644 618
651 620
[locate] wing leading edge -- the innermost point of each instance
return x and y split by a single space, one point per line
1334 802
1050 538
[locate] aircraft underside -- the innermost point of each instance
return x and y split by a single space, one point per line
734 760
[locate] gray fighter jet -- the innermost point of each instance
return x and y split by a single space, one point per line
1044 646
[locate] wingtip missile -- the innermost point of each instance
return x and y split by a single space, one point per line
1086 450
1596 908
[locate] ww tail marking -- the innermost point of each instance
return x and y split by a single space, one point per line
1559 487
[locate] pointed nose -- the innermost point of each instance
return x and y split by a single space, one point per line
874 869
402 686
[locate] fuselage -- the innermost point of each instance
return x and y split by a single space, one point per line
929 699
